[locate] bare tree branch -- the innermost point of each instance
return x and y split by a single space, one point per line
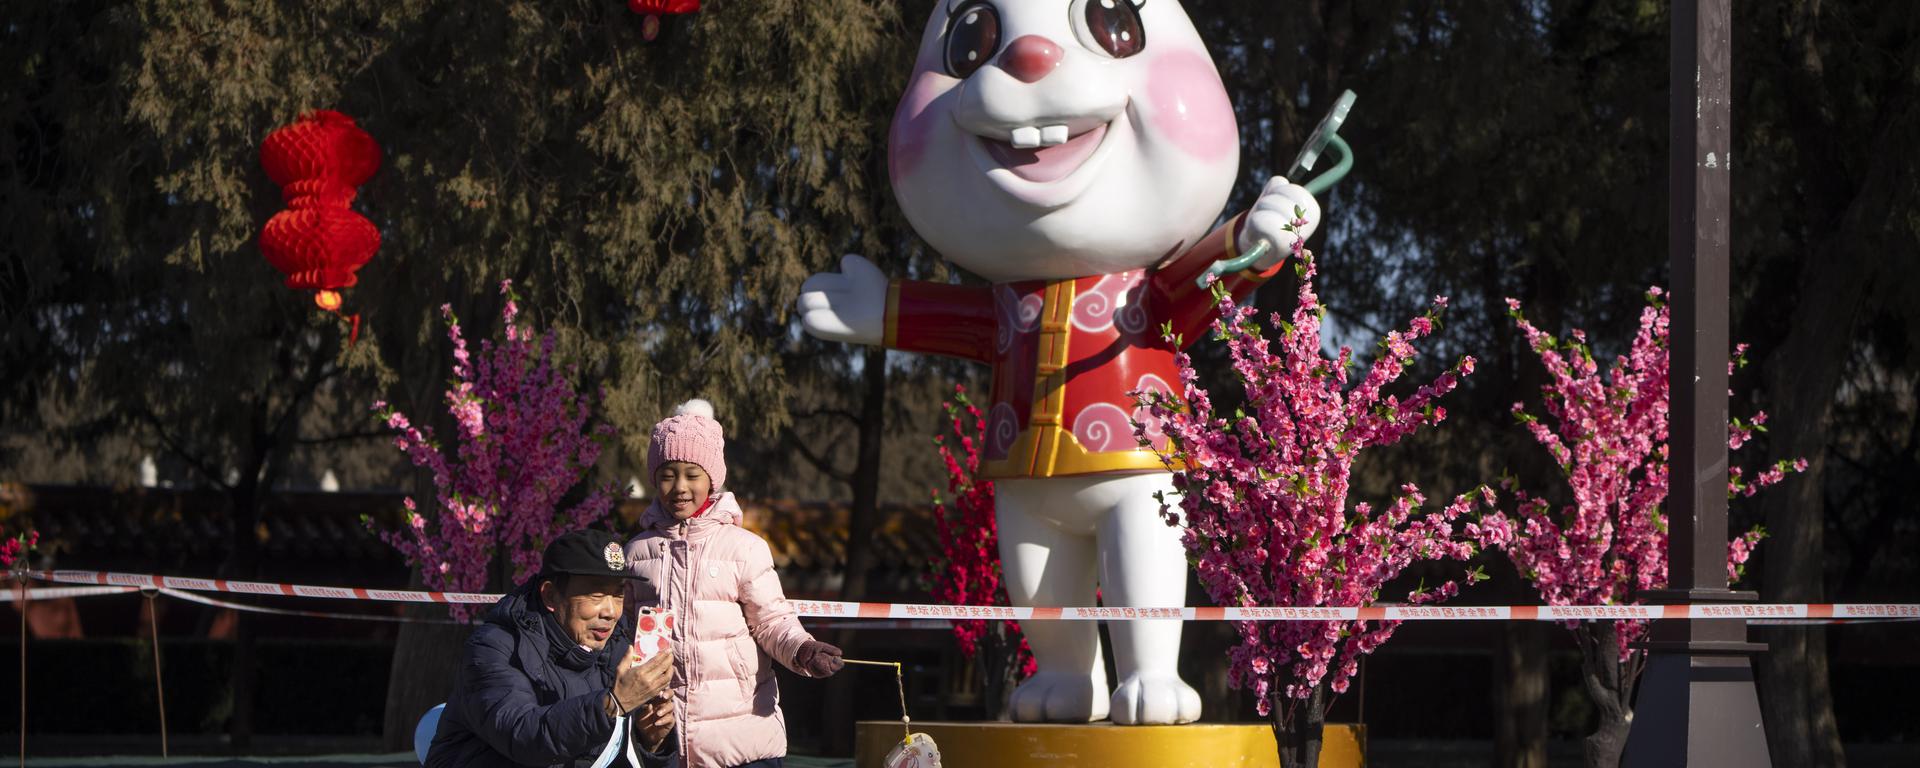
819 462
178 449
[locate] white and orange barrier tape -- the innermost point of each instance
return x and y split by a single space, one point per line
37 594
1835 611
145 581
58 593
216 603
1759 612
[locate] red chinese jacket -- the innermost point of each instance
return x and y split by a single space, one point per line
1065 354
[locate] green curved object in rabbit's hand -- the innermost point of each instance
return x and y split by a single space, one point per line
1325 137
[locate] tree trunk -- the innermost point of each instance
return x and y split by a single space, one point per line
271 438
245 673
1520 696
862 521
862 518
242 563
1600 674
1298 730
1803 376
1520 685
426 659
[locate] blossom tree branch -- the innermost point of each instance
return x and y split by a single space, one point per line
1607 429
526 436
1263 498
968 571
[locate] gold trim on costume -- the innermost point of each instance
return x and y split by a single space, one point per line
1071 459
1050 376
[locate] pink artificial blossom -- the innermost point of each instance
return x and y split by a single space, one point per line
1263 505
1608 434
525 437
969 571
16 549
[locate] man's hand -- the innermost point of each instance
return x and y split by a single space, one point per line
639 684
818 659
654 723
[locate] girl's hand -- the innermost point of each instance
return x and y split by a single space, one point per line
818 659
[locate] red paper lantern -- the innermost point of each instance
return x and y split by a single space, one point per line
319 241
663 7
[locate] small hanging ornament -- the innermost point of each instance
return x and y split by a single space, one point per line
319 241
918 751
915 750
654 9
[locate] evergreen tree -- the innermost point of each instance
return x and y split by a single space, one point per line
661 202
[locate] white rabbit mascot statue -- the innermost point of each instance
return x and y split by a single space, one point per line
1074 153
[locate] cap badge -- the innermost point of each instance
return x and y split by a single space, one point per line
616 559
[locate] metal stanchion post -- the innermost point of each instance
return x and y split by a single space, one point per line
24 597
159 685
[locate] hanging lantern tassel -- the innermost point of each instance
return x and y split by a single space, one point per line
330 301
319 241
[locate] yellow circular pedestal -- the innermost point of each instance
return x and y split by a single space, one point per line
1030 745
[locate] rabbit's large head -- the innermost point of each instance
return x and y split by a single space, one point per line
1062 138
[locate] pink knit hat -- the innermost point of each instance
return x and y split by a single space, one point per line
690 435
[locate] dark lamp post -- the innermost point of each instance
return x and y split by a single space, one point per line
1697 704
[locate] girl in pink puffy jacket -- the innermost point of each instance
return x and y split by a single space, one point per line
733 620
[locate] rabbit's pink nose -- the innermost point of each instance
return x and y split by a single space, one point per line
1030 58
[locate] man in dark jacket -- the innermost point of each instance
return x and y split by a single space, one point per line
549 679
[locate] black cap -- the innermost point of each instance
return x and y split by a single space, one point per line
589 552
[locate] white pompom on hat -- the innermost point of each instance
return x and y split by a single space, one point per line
694 407
692 435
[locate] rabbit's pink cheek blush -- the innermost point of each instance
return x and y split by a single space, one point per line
1187 105
913 124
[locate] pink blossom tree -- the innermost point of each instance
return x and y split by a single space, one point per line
1263 501
968 571
1608 434
525 437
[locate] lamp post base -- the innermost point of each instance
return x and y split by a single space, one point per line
1697 711
1697 704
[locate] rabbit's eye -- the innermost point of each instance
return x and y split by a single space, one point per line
1112 26
973 37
